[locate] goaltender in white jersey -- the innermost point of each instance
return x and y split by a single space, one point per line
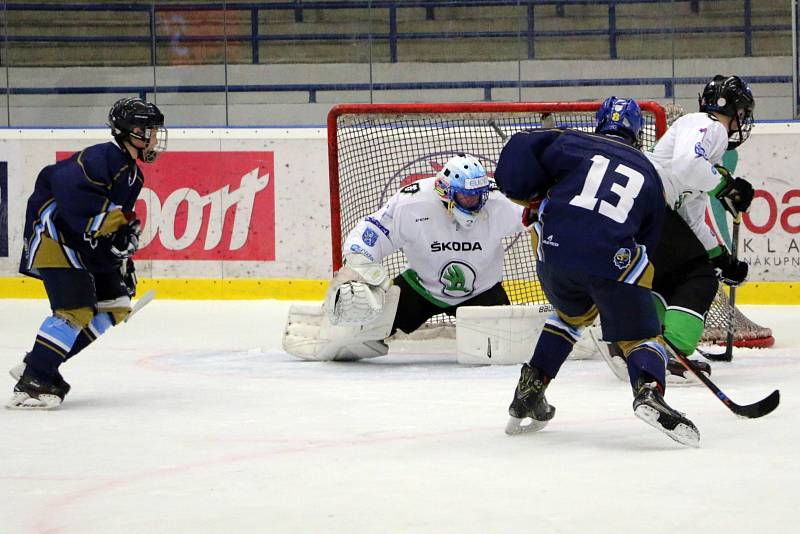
452 256
450 228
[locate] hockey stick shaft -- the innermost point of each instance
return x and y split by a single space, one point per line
750 411
141 303
732 295
500 133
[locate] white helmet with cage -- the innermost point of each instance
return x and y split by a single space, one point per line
463 186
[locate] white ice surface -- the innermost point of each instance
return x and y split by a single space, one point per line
190 419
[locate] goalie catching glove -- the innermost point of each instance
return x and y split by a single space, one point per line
357 292
736 194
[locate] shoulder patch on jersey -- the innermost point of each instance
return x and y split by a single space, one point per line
369 237
700 151
622 258
410 189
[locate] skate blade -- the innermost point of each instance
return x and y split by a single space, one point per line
680 381
516 425
23 401
682 433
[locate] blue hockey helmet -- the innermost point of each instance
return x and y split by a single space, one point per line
622 117
463 186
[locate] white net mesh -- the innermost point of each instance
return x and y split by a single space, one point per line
376 150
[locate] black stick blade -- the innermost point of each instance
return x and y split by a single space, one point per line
717 357
757 409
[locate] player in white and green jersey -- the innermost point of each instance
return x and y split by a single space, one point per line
450 228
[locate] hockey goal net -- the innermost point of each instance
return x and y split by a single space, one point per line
376 149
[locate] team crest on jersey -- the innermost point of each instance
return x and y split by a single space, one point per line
458 279
700 151
622 258
369 237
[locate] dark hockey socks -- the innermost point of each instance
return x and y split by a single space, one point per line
554 345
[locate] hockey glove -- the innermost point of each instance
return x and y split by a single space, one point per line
530 214
737 193
730 271
129 276
125 241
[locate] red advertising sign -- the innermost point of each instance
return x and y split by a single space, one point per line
207 206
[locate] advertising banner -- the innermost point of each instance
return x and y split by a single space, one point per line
772 242
208 206
770 233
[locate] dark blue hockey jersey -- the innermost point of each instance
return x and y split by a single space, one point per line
66 219
603 201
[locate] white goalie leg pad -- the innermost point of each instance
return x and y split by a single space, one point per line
498 335
617 364
309 334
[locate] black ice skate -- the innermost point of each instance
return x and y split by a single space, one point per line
33 394
650 407
529 410
18 370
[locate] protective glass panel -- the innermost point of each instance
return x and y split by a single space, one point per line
449 52
297 60
66 65
190 62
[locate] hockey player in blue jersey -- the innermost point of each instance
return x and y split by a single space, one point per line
80 233
600 214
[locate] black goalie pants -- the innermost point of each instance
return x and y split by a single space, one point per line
414 309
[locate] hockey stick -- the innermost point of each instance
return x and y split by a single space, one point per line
143 301
750 411
500 133
727 356
547 122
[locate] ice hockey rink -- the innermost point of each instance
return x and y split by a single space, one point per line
190 418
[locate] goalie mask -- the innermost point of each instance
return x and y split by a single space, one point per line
133 119
730 96
621 117
463 186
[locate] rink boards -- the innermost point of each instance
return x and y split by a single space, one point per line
245 213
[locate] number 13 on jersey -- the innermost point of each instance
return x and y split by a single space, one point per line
627 194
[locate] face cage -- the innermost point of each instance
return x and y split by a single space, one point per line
484 196
742 132
149 154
